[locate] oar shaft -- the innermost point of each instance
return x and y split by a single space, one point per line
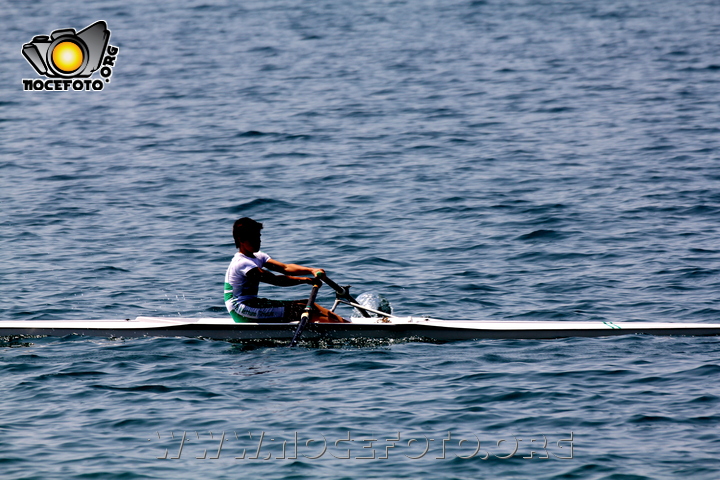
305 317
363 308
311 302
333 285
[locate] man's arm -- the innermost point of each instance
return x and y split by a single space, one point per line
277 280
291 268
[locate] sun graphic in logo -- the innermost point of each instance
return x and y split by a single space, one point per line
67 56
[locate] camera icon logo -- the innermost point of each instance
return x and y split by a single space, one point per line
67 54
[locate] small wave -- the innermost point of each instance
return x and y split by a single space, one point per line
251 133
258 205
703 399
541 234
64 178
653 419
71 374
378 261
139 388
110 268
472 287
275 135
705 370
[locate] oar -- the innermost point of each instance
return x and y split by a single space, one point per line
343 292
305 317
360 307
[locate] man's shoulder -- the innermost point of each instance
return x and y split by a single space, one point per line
258 257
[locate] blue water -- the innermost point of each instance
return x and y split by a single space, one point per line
468 159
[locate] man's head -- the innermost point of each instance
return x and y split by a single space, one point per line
247 230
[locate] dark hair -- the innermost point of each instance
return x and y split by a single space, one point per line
245 227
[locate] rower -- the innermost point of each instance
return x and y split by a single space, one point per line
250 266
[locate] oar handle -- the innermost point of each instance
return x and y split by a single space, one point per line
311 301
305 316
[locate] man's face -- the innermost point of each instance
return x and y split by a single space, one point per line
254 242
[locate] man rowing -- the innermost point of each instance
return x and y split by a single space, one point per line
250 266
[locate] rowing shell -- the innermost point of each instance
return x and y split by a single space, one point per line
392 328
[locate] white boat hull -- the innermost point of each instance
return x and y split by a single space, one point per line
395 328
